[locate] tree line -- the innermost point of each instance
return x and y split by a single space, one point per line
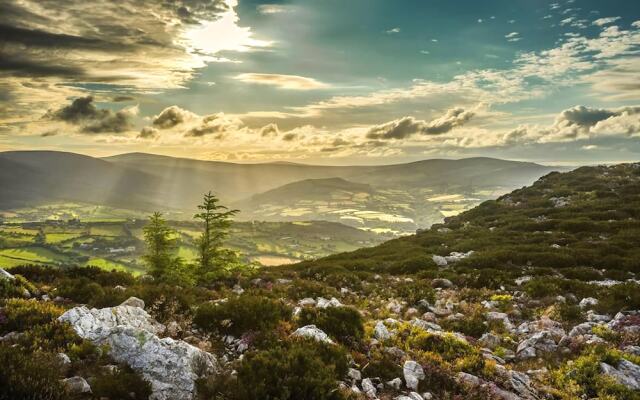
213 259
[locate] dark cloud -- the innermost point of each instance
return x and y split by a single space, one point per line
407 126
289 137
583 116
39 38
122 98
170 117
148 132
83 112
217 125
269 130
19 66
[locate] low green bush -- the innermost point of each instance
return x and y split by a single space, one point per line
21 314
294 370
342 323
242 314
26 376
123 383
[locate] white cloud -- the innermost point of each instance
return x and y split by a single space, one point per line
392 31
282 81
267 9
605 21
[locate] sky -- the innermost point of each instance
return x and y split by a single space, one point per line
323 81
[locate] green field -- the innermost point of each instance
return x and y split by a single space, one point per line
39 255
109 265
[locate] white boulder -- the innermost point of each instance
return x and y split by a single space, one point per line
413 374
171 366
312 332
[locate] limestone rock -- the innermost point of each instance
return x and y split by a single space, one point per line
626 373
381 332
5 275
76 385
133 302
369 389
413 374
312 332
171 366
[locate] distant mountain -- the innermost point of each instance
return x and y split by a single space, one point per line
35 177
377 196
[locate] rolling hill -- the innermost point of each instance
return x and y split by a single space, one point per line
398 197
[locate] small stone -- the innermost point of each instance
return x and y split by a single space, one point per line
395 383
133 302
313 332
381 332
354 374
588 302
368 388
63 359
76 385
413 374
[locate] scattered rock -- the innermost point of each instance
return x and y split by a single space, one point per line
63 359
626 373
313 332
413 374
368 388
133 302
381 332
354 374
5 275
395 383
588 302
76 385
442 283
324 303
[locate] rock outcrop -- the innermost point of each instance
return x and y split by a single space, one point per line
171 366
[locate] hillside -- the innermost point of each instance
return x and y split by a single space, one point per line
588 217
531 296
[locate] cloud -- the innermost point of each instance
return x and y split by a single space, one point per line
269 130
513 37
172 116
408 126
579 123
281 81
392 31
605 21
83 112
148 132
289 137
267 9
620 82
55 49
218 125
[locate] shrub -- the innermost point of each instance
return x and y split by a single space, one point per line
471 325
299 369
415 291
343 323
123 383
23 314
582 378
447 346
383 365
25 376
242 314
